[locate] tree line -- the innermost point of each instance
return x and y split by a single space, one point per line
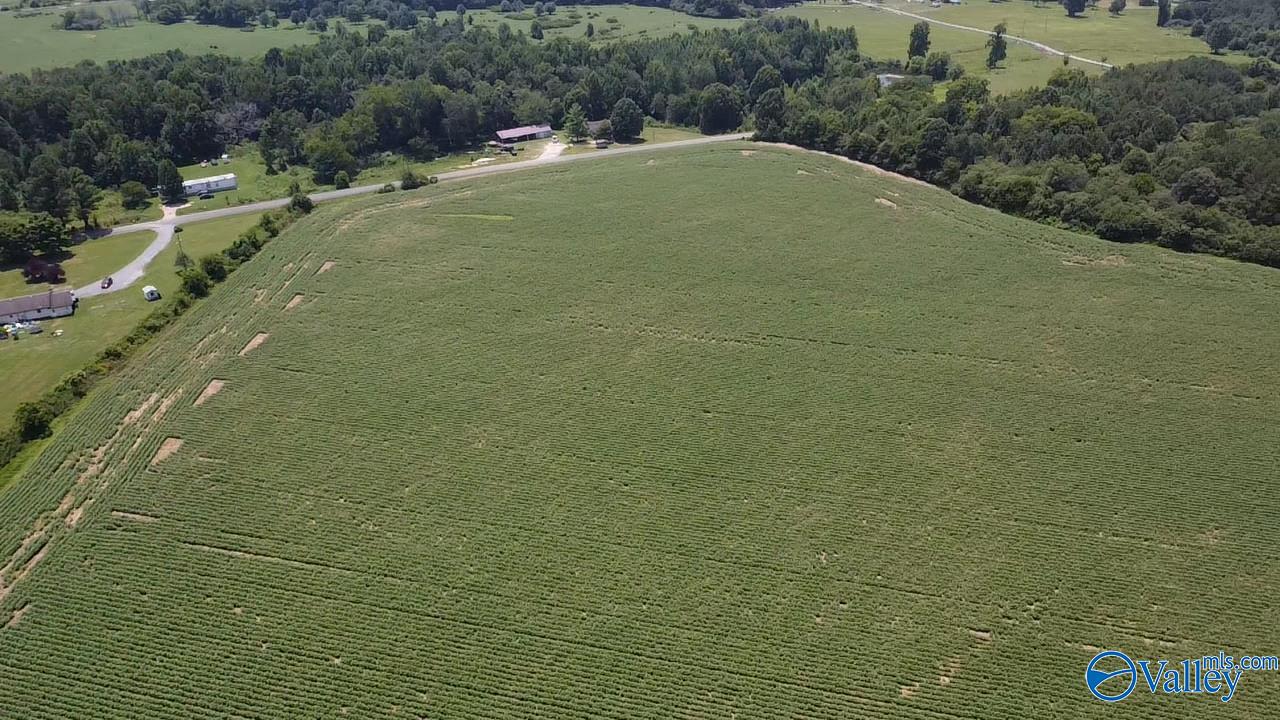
398 13
1249 26
1185 154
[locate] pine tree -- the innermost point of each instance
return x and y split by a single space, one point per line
575 122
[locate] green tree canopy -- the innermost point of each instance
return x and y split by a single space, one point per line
918 46
627 120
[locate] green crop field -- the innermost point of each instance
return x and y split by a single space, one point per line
733 431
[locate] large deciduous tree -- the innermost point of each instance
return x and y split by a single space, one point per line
627 120
771 114
719 109
767 78
169 180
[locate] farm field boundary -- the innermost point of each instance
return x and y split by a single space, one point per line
832 445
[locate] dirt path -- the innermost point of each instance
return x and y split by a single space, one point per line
1037 45
552 151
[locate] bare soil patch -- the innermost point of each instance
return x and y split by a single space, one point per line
254 343
294 301
326 267
136 517
17 617
747 153
213 388
73 517
167 449
1086 261
887 203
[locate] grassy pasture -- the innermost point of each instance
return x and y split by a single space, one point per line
737 431
883 36
28 43
633 22
1131 37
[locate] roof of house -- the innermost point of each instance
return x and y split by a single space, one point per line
39 301
523 131
213 178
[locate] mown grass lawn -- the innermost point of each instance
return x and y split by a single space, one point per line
89 261
35 363
725 430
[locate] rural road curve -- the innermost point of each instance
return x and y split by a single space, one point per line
164 228
1037 45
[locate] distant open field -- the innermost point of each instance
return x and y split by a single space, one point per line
27 43
611 22
884 36
738 431
33 42
36 363
1131 37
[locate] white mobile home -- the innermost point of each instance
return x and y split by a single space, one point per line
40 306
217 183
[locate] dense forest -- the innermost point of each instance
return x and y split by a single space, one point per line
1185 154
1251 26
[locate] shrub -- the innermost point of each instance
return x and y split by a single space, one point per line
409 180
134 195
388 188
33 420
300 203
194 282
341 180
214 267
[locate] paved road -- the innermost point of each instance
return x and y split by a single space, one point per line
1037 45
163 228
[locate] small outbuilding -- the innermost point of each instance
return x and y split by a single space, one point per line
888 79
151 293
40 306
525 133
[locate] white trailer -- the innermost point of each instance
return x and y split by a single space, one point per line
216 183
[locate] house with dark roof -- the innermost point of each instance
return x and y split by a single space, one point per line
527 132
40 306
